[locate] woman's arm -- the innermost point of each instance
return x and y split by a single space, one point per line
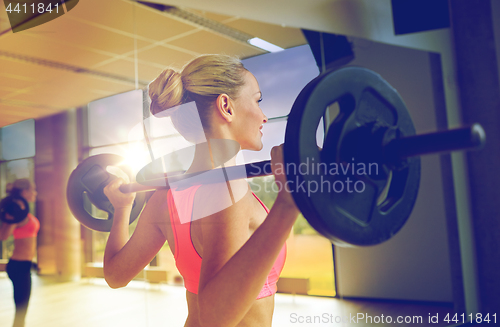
6 230
234 269
124 258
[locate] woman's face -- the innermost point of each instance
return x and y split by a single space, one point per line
249 116
29 194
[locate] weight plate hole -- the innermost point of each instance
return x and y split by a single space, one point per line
92 209
383 195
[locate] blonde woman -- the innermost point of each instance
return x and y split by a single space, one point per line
230 249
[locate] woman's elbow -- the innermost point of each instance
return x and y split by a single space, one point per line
207 320
210 320
206 315
114 284
114 280
210 316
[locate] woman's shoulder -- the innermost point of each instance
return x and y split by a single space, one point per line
156 207
237 189
32 217
220 198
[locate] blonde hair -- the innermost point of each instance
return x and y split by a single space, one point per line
202 80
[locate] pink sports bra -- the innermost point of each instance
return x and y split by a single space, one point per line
30 229
187 259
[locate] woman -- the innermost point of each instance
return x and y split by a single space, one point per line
230 256
19 265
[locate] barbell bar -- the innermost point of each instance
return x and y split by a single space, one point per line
463 138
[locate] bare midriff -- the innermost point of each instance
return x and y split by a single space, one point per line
260 313
24 249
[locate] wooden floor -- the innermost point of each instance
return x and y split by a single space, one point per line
91 303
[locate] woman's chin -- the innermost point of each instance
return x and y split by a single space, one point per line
260 147
253 147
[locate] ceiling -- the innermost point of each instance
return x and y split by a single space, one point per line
93 51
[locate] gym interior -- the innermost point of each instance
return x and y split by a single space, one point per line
64 83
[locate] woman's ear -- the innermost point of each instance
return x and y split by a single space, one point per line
225 107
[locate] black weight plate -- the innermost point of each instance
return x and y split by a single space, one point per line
9 205
371 113
89 178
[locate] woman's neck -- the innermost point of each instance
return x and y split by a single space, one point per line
214 153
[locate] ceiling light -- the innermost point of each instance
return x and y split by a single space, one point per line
264 45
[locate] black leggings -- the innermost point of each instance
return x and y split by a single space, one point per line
20 274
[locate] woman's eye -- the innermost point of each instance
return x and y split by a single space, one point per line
260 100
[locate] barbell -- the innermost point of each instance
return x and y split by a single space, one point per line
334 187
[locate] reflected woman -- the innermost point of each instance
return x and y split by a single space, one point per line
25 233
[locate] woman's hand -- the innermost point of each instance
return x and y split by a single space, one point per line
277 164
117 198
279 171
